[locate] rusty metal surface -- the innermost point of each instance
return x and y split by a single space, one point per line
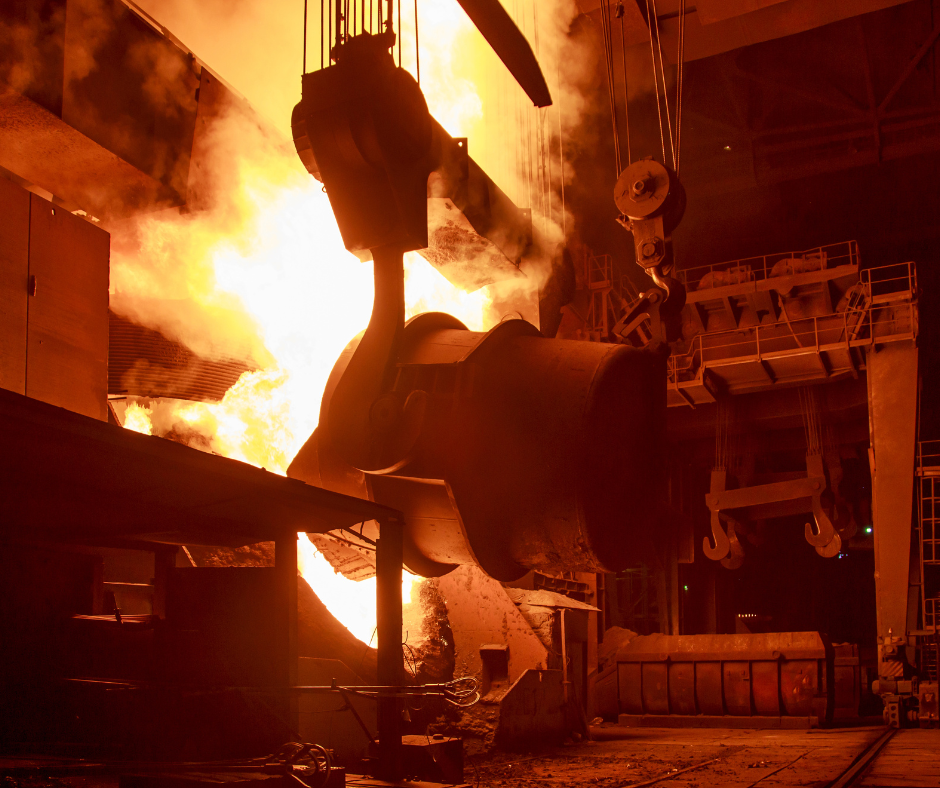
67 317
892 391
530 448
770 675
14 276
480 612
67 476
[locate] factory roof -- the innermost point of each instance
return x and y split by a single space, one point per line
69 477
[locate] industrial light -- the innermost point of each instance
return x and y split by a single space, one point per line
868 529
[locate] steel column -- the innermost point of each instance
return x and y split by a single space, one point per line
285 649
388 568
164 559
892 408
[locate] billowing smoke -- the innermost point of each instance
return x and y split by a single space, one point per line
257 269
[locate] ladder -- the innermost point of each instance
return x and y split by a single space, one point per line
928 535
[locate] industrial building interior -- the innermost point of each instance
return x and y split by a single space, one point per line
469 392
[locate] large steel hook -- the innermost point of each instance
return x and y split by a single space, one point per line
722 544
832 549
825 532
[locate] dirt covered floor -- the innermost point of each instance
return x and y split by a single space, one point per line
703 758
665 758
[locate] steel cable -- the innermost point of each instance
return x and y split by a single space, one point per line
662 75
677 147
626 100
659 112
611 89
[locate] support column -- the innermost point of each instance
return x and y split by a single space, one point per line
285 649
388 566
591 646
164 559
892 409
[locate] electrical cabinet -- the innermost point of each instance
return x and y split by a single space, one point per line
54 270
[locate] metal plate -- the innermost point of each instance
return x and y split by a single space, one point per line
630 683
67 333
14 274
765 688
799 685
737 684
682 688
656 688
708 688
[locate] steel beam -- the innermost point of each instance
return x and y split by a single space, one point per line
892 408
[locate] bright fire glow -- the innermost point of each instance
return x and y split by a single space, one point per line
264 274
137 418
352 602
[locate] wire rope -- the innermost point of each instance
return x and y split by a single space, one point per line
650 23
626 101
662 74
677 147
607 31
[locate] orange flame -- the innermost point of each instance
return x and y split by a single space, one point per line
265 273
352 602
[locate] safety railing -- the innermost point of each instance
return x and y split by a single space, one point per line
751 269
928 505
599 271
852 328
928 457
891 282
931 608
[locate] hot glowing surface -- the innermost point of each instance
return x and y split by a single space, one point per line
352 602
262 273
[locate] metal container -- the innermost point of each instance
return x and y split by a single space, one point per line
534 453
770 675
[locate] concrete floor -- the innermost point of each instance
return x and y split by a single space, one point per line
662 757
621 757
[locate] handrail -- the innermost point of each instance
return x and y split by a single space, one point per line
761 267
851 328
929 458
